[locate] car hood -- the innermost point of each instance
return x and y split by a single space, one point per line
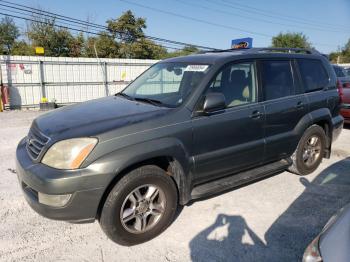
335 238
96 116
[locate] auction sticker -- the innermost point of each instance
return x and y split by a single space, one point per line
196 68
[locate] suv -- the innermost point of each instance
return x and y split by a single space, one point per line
186 128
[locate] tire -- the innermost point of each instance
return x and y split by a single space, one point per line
304 167
130 197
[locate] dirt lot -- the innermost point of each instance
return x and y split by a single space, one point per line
271 220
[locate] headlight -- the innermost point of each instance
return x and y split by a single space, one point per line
312 252
70 153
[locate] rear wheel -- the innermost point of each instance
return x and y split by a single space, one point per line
309 153
140 206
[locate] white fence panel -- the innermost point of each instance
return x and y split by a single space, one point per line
64 79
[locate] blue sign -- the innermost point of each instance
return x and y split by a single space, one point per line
242 43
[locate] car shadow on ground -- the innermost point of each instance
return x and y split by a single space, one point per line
289 235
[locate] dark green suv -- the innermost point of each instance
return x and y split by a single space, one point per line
186 128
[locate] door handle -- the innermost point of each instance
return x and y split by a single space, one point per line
256 115
300 105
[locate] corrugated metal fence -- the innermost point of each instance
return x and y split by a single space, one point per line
65 80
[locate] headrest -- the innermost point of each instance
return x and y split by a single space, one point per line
246 93
238 76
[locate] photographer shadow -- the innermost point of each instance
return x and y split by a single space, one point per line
289 235
227 239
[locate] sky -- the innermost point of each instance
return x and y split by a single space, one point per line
214 23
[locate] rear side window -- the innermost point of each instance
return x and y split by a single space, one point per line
277 79
313 74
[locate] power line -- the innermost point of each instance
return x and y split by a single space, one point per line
90 24
74 29
195 19
26 14
204 21
251 18
281 16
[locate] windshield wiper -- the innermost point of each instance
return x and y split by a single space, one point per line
149 100
124 95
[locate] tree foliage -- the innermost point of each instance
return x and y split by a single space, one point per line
124 38
55 41
291 40
187 50
8 34
342 55
104 44
127 27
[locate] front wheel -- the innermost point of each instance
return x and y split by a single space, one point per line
309 153
140 206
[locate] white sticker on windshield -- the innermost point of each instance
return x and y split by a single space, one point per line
196 68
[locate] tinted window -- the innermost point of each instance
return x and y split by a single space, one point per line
277 79
237 83
313 74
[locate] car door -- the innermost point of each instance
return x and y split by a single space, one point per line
284 106
230 140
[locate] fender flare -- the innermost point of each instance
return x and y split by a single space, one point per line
120 162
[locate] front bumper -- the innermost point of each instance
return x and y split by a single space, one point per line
345 112
86 187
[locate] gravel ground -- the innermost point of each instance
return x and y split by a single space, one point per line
271 220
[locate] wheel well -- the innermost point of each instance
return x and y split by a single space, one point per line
164 162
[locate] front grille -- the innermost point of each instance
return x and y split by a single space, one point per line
36 142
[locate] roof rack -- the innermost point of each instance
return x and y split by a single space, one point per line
270 49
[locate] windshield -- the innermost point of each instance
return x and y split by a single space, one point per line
347 71
166 84
339 71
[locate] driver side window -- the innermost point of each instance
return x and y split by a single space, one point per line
237 82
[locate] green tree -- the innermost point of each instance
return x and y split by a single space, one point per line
105 45
346 53
127 27
22 48
55 41
342 55
142 49
76 45
8 34
187 50
128 31
291 40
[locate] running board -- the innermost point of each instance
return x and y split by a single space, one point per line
223 184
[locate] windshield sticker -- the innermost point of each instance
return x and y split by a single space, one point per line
196 68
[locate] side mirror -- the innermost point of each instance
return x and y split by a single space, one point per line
304 182
214 102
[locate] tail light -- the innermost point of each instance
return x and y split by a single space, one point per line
346 85
340 91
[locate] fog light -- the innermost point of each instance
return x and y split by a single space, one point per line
53 200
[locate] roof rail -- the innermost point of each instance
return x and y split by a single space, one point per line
288 50
269 49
